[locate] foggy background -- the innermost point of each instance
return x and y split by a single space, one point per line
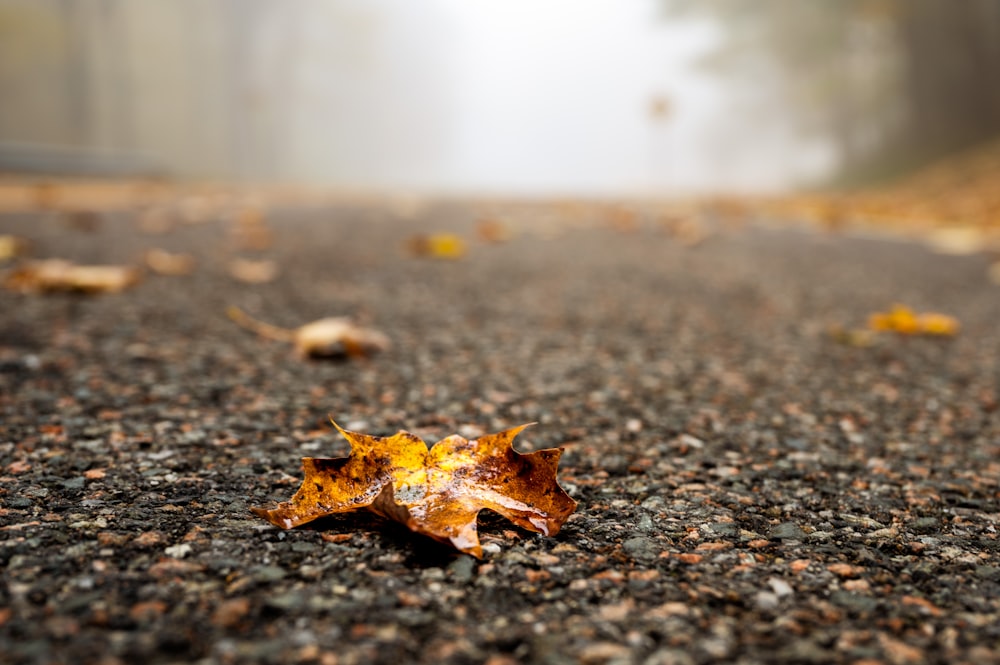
591 97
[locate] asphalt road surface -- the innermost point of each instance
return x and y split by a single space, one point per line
750 488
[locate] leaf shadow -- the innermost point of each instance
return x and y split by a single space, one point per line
419 551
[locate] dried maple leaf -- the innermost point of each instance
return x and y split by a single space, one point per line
437 492
325 338
60 275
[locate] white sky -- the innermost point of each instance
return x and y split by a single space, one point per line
556 94
529 96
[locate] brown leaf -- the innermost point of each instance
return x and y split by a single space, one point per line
59 275
326 338
163 262
252 271
437 492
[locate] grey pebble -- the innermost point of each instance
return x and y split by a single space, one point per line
787 531
462 569
642 548
269 574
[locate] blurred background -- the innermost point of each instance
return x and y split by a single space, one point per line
522 97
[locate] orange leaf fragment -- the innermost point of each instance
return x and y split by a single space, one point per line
940 325
900 319
51 275
437 492
904 321
326 338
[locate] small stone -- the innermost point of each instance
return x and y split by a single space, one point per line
988 572
645 524
641 548
780 587
925 525
178 551
603 652
787 531
854 602
803 651
669 657
269 574
286 602
766 601
148 539
724 528
462 569
230 612
74 483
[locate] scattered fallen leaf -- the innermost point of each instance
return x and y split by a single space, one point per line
249 229
163 262
326 338
959 241
253 271
60 275
493 231
939 325
904 321
437 246
900 319
12 247
437 492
